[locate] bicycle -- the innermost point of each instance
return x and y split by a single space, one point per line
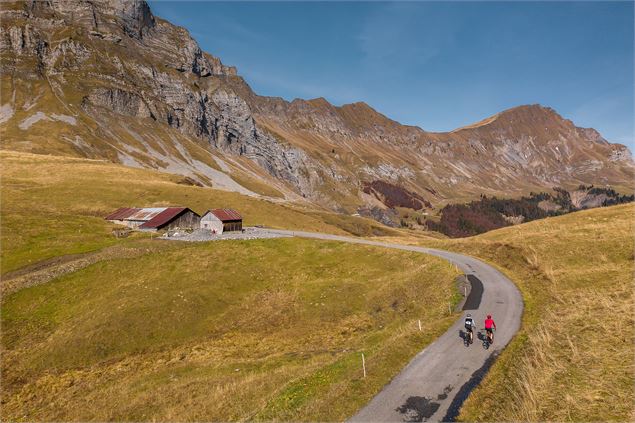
468 337
489 338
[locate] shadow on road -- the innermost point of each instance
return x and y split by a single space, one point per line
464 391
465 337
483 338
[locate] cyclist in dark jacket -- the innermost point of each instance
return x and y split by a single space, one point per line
469 326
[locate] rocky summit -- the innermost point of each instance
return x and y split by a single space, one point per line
106 79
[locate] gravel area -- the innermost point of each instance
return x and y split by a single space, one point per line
201 235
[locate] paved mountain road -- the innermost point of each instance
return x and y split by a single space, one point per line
435 383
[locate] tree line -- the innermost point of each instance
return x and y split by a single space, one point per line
488 213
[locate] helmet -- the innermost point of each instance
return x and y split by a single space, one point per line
469 315
489 316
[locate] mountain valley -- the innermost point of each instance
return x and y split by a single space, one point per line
109 80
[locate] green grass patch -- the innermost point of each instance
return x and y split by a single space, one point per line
264 329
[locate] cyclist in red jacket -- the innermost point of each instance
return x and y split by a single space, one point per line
489 326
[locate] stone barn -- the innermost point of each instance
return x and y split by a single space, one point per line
222 220
156 218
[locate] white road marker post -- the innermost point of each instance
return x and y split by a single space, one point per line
449 309
364 365
465 290
419 325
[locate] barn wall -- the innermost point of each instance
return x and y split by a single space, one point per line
210 222
134 223
235 225
119 222
187 220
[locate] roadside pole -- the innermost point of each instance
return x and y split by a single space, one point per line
364 365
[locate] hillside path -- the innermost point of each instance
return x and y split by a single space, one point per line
438 379
49 269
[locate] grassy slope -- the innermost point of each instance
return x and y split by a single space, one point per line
53 206
267 329
160 336
573 359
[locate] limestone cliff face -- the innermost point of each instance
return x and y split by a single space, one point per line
123 61
108 79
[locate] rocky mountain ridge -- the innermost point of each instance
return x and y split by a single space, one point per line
107 79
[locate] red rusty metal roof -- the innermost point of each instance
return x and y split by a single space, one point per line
122 213
226 214
164 217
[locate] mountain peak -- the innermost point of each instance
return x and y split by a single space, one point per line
531 110
319 102
528 113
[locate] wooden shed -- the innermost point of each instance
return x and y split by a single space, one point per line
155 218
173 218
222 220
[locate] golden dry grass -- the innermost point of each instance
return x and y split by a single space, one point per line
573 358
254 330
222 331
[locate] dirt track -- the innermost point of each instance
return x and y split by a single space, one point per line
435 383
47 270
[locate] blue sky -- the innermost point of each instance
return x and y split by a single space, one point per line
431 64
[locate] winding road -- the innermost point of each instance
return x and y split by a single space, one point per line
435 383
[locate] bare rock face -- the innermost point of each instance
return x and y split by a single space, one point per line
118 101
234 131
143 67
133 80
132 16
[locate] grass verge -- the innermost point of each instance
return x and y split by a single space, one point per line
573 357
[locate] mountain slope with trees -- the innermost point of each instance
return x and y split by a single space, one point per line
488 213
